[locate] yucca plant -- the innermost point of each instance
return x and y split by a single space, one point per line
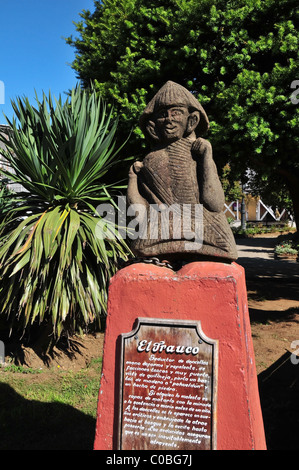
54 270
7 197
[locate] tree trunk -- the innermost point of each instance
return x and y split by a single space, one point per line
294 193
291 177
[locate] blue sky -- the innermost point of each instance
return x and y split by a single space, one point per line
33 53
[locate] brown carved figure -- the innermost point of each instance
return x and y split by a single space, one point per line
178 182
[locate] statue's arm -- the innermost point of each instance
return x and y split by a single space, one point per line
133 195
210 188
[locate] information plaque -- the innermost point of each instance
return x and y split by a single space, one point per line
168 387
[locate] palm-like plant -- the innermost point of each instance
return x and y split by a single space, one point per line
54 270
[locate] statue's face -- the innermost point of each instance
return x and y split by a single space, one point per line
171 123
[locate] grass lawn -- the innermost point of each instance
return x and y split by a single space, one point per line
48 408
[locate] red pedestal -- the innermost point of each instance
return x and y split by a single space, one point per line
214 294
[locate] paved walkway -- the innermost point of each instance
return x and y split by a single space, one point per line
256 255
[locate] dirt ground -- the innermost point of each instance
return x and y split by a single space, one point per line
274 314
275 329
82 349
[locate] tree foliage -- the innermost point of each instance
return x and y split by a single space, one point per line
239 57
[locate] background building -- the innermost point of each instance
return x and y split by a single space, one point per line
4 130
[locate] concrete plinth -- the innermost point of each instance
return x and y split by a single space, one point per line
212 293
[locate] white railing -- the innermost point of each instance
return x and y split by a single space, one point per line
233 209
268 210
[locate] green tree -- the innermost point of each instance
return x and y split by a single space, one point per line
232 189
239 57
56 253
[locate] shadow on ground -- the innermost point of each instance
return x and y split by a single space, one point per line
70 348
279 392
32 425
256 255
264 289
265 316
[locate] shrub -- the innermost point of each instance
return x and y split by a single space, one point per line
286 247
54 271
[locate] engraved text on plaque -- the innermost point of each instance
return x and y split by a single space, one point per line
168 387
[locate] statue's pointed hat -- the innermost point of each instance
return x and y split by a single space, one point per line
173 94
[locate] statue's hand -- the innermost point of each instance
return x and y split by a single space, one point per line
200 146
135 168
